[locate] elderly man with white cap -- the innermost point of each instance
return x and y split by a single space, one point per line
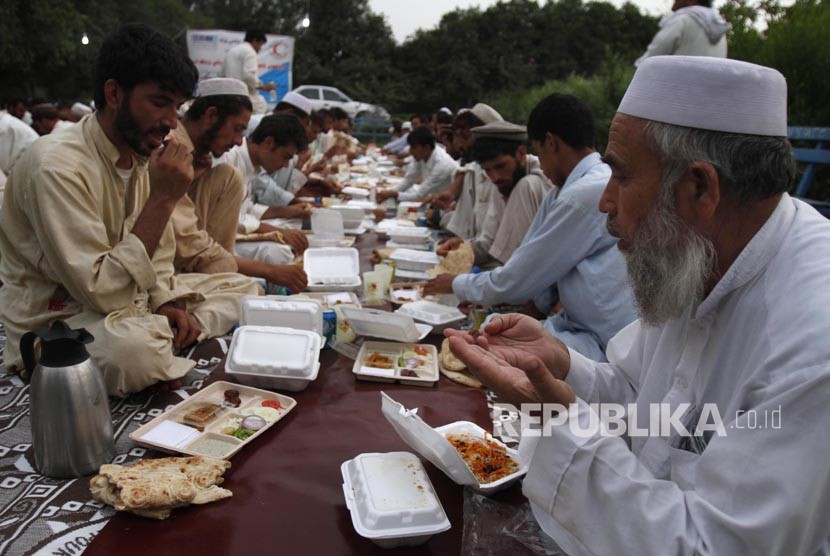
725 379
85 230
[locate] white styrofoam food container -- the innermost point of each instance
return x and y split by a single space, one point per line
274 357
432 444
438 315
424 374
410 259
327 225
355 191
382 324
352 216
410 235
366 205
332 268
284 311
391 499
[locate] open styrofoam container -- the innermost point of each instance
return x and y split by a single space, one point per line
274 357
284 311
327 226
382 324
438 315
352 216
409 235
410 259
432 444
332 268
391 499
388 223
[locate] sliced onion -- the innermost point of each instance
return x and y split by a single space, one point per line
253 422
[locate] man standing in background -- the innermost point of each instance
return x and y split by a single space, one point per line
694 29
241 63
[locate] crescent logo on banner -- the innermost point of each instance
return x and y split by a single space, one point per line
207 49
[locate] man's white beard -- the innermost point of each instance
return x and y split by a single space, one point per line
669 265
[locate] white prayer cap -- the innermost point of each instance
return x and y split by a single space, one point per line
221 86
486 113
79 110
445 110
407 126
717 94
298 101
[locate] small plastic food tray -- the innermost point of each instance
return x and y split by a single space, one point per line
273 357
432 444
391 362
407 292
169 433
332 268
410 259
352 216
355 192
391 499
330 300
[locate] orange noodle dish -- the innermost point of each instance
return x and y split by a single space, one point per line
488 461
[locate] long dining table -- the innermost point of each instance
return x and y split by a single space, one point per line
287 485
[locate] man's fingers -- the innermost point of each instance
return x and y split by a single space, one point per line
193 333
550 388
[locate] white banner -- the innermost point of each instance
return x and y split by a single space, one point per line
207 49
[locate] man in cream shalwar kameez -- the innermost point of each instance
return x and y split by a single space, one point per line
68 254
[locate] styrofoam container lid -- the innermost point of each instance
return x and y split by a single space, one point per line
331 266
389 223
284 311
350 214
327 223
382 324
365 205
433 445
275 351
430 312
390 496
415 256
355 191
408 234
410 204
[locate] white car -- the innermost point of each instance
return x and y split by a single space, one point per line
322 96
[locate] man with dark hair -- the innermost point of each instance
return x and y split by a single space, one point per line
17 107
271 147
500 150
430 172
207 218
567 256
717 396
693 29
85 231
44 118
241 63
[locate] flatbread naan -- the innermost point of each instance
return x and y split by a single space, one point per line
453 368
151 488
458 261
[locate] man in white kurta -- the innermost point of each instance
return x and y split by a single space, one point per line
430 172
740 371
241 63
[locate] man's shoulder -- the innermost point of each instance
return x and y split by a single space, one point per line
587 190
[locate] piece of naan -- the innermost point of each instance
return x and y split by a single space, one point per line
151 488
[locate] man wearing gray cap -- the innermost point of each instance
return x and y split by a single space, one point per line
567 256
499 149
721 387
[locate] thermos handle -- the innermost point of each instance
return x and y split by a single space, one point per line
27 351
